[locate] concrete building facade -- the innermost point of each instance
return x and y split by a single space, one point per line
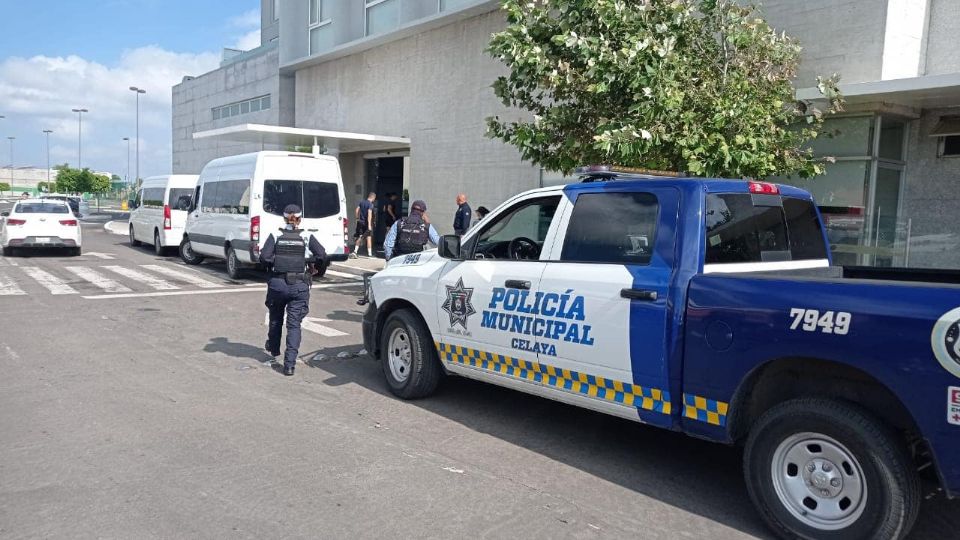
417 70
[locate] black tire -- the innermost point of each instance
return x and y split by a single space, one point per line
75 252
133 238
234 267
188 255
423 374
158 248
9 251
880 459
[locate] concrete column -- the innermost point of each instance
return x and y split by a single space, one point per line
903 39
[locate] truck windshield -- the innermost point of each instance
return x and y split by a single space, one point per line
740 232
316 199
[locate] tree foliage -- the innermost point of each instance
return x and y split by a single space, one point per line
702 86
4 186
70 180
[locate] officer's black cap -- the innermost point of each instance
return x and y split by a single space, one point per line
291 209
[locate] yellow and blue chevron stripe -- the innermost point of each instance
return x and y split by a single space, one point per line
706 410
650 399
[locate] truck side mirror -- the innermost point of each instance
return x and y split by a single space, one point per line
449 247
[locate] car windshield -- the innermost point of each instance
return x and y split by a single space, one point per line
42 208
316 199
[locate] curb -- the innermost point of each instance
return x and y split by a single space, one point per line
108 226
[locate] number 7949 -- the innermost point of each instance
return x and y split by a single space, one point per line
830 322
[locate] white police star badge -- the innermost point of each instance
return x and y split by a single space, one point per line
458 305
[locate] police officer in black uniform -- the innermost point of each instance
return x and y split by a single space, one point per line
288 289
411 233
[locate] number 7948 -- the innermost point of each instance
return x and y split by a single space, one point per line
811 320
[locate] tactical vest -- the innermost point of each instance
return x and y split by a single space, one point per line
290 253
412 234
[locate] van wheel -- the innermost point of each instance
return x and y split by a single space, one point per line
133 238
187 253
157 246
818 468
234 267
75 252
409 359
8 252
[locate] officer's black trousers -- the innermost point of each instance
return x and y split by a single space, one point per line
295 300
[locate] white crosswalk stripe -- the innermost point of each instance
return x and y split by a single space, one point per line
181 275
98 279
141 277
49 281
9 287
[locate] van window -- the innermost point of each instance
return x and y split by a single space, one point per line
173 198
316 199
153 197
738 232
226 197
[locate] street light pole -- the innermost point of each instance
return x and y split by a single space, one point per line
138 91
80 136
48 132
11 139
126 176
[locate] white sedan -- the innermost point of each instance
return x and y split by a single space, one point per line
40 223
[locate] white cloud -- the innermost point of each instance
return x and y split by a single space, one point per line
246 20
38 93
250 40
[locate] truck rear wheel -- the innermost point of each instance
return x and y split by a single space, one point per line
819 468
409 360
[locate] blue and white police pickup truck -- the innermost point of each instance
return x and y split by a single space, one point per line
703 306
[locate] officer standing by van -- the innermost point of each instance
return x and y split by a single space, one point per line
288 289
410 233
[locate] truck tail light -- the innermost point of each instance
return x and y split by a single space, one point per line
763 188
346 236
12 221
167 222
69 222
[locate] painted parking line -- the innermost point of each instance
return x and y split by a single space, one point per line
98 279
49 281
9 287
204 291
344 275
147 279
182 276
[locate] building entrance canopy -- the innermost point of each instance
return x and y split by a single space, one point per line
335 142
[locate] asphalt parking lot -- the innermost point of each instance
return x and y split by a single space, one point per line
136 402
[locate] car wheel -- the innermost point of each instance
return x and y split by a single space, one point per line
818 468
76 252
8 252
133 238
157 246
234 267
188 255
409 359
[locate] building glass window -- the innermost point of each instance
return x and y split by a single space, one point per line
242 107
950 146
320 32
448 5
382 16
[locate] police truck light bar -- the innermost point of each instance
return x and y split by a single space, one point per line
616 169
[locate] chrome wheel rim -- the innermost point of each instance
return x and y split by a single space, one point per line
819 481
232 262
399 354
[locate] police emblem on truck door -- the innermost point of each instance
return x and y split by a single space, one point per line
945 341
457 304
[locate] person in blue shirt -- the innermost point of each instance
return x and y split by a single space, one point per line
461 220
364 216
411 233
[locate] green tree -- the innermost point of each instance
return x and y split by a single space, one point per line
702 86
4 186
46 187
68 179
98 183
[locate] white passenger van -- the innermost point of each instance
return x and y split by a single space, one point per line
159 210
239 202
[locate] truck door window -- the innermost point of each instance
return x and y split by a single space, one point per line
518 233
617 228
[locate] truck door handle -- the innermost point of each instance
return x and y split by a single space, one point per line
639 294
517 284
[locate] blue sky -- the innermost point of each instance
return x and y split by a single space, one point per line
57 55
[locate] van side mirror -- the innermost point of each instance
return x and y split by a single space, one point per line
449 247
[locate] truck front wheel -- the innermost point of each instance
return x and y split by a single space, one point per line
819 468
409 359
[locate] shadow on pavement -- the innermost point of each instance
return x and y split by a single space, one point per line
236 350
697 476
342 315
